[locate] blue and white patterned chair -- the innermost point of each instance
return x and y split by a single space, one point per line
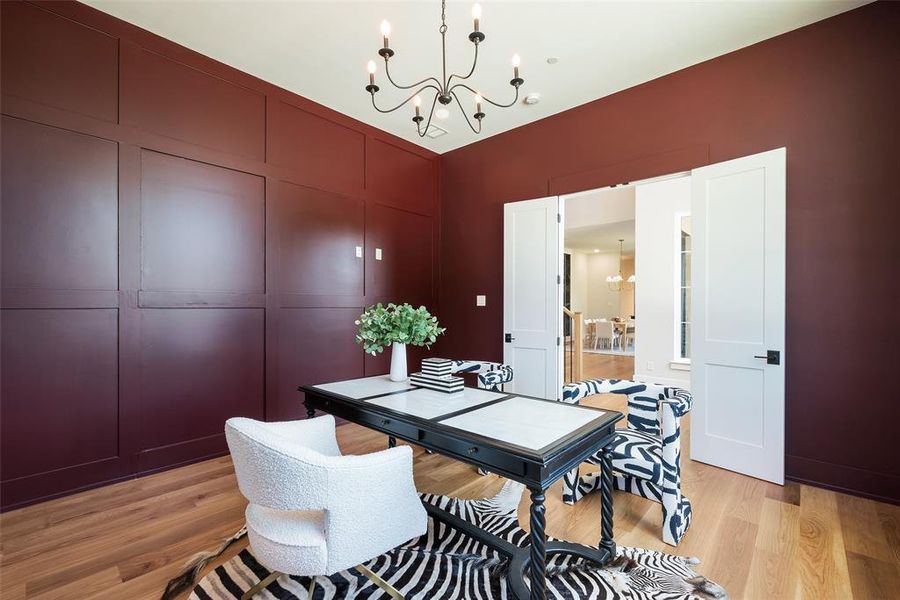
646 456
491 375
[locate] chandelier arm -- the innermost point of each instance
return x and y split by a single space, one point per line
455 97
406 87
417 92
472 70
422 132
485 98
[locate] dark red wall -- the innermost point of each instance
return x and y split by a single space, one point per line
178 247
830 93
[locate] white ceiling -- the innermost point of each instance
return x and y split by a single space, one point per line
604 238
320 49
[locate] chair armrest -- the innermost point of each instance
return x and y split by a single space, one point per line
373 506
681 401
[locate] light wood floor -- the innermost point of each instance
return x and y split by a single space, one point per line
608 366
757 539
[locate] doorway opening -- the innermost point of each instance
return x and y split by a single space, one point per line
600 283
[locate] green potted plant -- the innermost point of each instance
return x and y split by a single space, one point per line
396 326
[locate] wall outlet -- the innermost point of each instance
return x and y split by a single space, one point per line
359 250
480 300
377 253
649 365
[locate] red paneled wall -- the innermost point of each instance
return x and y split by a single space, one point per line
830 93
178 247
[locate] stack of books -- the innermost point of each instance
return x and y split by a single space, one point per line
436 375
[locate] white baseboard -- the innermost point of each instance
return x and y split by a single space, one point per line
670 381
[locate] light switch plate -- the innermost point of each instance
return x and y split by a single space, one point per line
377 253
359 251
480 300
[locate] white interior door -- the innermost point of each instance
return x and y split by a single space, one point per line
737 343
532 295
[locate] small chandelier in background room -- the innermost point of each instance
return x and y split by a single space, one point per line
444 92
616 282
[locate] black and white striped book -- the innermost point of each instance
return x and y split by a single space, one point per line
436 367
447 383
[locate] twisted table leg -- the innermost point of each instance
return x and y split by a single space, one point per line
310 411
392 441
538 539
606 504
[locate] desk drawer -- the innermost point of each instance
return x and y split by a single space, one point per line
388 425
490 458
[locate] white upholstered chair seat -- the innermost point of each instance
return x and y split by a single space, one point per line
294 537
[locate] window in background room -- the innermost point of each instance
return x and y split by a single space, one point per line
683 335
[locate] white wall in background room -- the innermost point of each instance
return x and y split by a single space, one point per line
658 207
578 278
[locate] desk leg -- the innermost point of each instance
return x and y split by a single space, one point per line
606 505
537 564
310 411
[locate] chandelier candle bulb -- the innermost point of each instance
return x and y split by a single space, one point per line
417 102
516 61
371 72
386 33
476 16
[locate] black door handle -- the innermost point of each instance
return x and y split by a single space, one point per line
773 357
508 338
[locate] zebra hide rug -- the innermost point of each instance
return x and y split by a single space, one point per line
444 564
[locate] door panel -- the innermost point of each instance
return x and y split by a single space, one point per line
532 295
738 312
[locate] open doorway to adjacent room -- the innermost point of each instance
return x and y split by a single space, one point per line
599 284
627 282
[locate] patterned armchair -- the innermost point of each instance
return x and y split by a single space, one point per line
646 456
491 375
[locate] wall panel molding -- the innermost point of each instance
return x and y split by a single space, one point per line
195 183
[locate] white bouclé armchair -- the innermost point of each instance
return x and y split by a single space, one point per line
313 511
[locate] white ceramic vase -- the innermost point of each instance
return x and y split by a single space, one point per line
398 362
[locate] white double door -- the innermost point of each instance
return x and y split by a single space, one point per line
738 309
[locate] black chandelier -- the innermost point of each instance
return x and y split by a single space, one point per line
444 92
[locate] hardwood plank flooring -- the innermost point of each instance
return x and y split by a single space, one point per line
759 540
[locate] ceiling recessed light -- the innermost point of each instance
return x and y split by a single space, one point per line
596 250
532 98
552 60
442 113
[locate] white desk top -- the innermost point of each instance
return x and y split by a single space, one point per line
428 404
365 387
525 422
